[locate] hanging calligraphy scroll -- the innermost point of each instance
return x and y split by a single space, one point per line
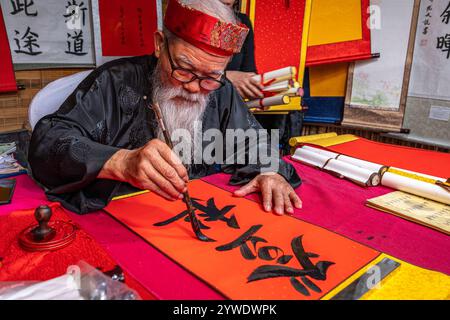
7 78
125 28
377 89
427 112
49 32
430 74
256 255
339 31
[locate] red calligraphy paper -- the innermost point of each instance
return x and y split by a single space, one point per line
127 27
250 245
278 31
7 78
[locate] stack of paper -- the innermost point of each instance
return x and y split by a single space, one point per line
279 87
8 164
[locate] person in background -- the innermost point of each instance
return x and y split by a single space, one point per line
242 67
240 71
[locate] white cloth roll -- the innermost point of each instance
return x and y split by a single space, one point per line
417 187
352 172
294 92
309 157
327 153
372 166
278 87
280 75
268 102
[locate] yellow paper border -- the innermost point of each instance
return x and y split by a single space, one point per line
404 283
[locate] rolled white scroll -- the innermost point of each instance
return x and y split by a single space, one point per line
371 166
277 75
279 86
294 92
326 160
417 187
311 158
268 102
357 174
327 153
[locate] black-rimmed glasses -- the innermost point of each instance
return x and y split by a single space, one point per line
187 76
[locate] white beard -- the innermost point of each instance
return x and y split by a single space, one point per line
179 108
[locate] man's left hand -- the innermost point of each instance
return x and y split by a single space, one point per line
276 193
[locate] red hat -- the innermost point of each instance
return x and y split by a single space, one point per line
204 31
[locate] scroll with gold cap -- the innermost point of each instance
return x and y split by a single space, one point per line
270 101
276 76
418 184
294 92
372 166
281 86
327 161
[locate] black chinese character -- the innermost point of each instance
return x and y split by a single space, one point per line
446 14
23 5
268 253
210 212
73 13
29 42
316 271
443 43
298 277
75 43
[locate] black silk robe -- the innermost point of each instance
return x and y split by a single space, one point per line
109 111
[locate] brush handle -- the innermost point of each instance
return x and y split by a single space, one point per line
190 208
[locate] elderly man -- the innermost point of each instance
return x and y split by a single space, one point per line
105 141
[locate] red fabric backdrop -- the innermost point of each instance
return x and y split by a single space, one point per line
7 79
19 265
278 34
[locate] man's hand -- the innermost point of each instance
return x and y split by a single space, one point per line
153 167
276 193
246 86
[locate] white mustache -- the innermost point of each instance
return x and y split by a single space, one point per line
177 114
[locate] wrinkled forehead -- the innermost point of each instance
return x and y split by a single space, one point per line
192 58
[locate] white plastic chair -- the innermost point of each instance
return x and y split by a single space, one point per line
52 96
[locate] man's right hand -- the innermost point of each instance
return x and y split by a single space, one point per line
153 167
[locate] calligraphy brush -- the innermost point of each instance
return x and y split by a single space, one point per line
187 199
